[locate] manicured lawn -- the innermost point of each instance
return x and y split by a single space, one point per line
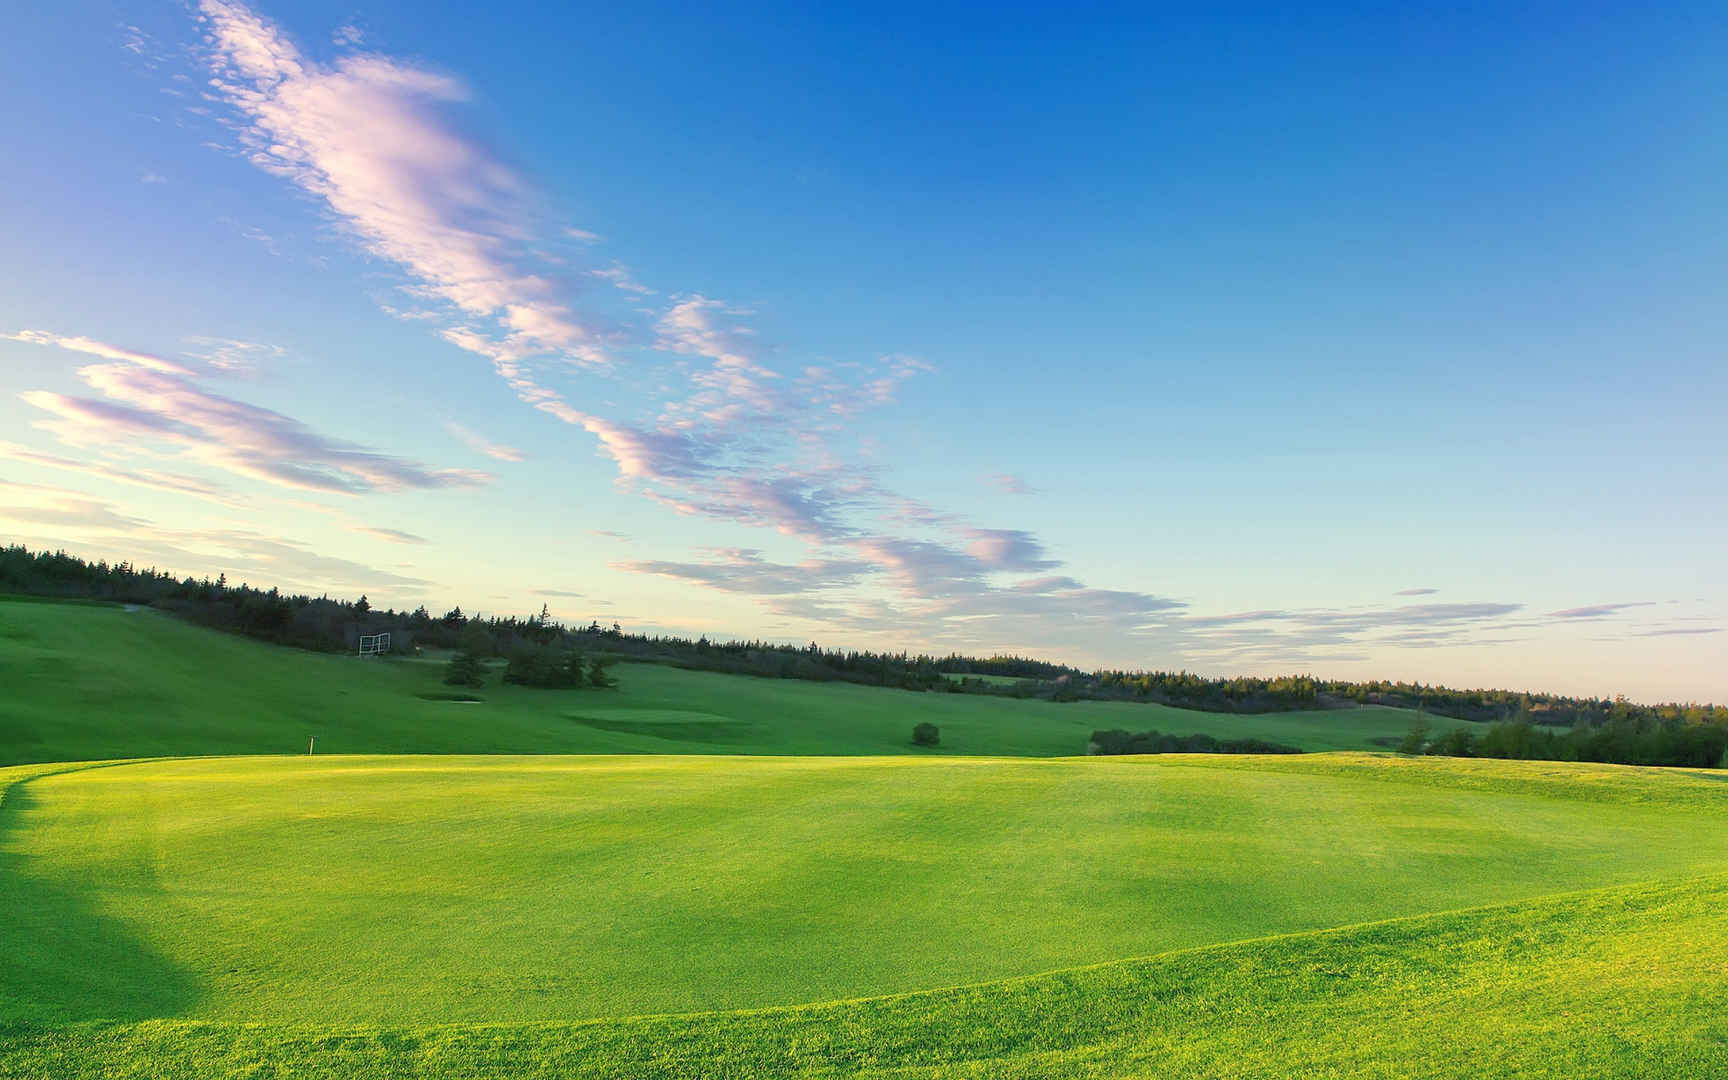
699 875
1625 982
421 890
87 682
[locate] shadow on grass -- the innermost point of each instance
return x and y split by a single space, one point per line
63 960
701 731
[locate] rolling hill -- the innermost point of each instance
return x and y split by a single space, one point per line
93 681
700 875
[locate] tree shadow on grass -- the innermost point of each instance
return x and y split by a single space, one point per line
64 961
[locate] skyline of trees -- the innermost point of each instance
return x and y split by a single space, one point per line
330 625
1624 740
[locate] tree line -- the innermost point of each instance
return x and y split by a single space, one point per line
1623 739
334 625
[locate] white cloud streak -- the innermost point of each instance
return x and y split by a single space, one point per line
176 483
389 536
733 436
146 401
369 138
476 441
93 347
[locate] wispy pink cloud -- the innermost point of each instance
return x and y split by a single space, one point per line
177 483
644 453
66 510
734 436
620 278
391 536
1008 549
93 347
102 528
370 137
1010 484
229 356
744 570
476 441
242 553
1598 611
144 402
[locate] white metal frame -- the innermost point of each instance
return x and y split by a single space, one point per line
374 644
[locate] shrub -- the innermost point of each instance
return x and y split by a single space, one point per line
926 734
545 667
464 670
1459 742
1156 742
1416 739
1255 746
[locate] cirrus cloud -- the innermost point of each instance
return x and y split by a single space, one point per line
145 402
370 138
391 536
733 431
98 348
476 441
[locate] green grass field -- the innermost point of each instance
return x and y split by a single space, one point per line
90 682
806 896
1616 983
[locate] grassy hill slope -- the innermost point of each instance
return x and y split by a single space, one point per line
673 916
90 682
408 890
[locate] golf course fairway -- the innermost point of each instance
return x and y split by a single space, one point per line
699 875
410 890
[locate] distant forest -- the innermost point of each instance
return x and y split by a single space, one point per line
331 625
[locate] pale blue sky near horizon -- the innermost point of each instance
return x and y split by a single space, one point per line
1371 344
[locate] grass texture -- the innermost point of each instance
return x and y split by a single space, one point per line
91 682
492 889
725 877
1626 982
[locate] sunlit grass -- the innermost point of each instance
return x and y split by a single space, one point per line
816 913
88 682
412 890
1624 982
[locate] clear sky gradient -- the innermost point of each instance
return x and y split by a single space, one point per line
1368 345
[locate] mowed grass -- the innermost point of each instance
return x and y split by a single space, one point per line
963 912
90 682
1626 982
410 891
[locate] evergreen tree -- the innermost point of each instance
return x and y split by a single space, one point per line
569 672
597 676
465 669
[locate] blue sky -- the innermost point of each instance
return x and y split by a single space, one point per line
1371 345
